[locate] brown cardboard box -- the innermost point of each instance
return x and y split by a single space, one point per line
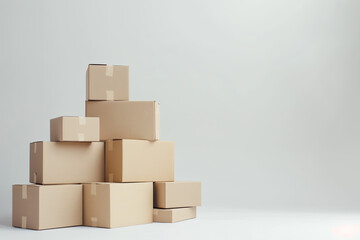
139 161
66 162
172 215
177 194
82 129
47 206
107 82
113 205
125 119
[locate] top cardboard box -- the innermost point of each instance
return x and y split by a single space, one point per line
107 82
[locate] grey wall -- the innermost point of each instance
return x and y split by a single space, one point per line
261 97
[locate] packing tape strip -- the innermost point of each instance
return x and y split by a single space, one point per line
94 221
24 191
109 144
109 72
35 147
93 189
35 175
109 95
82 121
23 221
111 177
81 137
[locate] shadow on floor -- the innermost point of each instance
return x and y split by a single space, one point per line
5 221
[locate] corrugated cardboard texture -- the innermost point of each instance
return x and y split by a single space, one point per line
45 207
139 161
126 119
177 194
85 129
173 214
113 205
66 162
107 82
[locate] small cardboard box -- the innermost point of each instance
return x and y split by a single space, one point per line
177 194
66 162
47 206
139 161
111 205
82 129
107 82
172 215
126 119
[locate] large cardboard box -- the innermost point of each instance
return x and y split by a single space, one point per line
66 162
126 119
139 161
177 194
107 82
82 129
111 205
172 215
47 206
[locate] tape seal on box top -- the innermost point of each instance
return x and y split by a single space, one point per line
24 192
82 121
35 147
93 189
81 137
111 177
93 221
109 72
23 221
109 144
35 175
109 95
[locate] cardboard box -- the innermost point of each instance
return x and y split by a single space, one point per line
66 162
139 161
107 82
172 215
111 205
177 194
47 206
82 129
126 120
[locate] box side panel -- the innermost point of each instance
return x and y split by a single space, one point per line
56 126
123 119
120 82
159 195
60 206
183 194
113 160
97 205
73 162
131 204
162 215
181 214
148 161
36 162
81 129
108 82
25 209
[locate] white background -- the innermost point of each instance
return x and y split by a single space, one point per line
261 98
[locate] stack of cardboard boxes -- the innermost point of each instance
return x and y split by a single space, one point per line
108 169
